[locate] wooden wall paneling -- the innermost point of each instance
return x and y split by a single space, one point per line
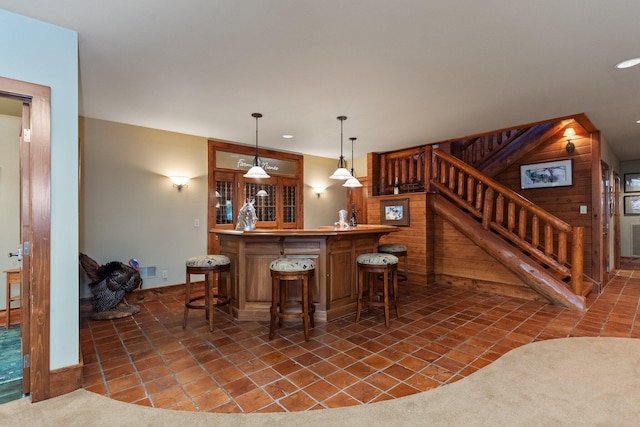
414 236
358 196
459 262
597 242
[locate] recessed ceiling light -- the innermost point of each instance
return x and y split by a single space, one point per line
628 63
638 121
287 136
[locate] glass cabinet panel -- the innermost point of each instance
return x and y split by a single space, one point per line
224 202
289 203
265 200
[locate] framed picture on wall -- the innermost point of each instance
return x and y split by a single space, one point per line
632 182
632 205
548 174
395 212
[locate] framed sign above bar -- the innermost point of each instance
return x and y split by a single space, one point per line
549 174
243 162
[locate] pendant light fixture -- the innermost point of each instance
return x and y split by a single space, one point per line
353 181
342 172
256 172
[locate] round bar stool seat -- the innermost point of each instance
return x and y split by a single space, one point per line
401 252
209 266
283 272
369 267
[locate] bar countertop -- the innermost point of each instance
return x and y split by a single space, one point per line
328 230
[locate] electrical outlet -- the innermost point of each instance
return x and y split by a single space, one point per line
165 274
196 223
583 209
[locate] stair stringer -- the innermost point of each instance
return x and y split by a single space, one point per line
528 270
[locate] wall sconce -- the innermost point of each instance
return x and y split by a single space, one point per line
569 132
179 181
318 191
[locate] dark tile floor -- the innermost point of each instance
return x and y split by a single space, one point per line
444 334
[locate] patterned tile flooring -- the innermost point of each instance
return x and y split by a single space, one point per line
444 334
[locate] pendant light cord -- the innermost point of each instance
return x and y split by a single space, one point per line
352 140
341 162
256 160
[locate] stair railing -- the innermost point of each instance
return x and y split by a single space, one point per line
536 232
477 150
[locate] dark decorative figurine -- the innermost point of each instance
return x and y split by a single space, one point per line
109 285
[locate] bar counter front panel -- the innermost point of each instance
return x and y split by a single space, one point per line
334 252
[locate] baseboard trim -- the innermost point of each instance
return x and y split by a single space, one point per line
65 380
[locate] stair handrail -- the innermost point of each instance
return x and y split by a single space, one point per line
489 200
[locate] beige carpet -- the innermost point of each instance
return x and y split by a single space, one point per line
574 381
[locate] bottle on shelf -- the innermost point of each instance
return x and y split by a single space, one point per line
353 221
396 187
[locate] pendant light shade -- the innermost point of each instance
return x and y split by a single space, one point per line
256 171
342 172
353 181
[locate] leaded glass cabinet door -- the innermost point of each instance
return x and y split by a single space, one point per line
290 203
224 204
264 196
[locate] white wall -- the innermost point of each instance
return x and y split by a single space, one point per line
48 55
9 197
130 208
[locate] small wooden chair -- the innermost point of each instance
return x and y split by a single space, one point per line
369 267
209 266
284 271
13 277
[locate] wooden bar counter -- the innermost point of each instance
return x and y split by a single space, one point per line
334 251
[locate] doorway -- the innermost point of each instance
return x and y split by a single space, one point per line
607 211
10 337
35 232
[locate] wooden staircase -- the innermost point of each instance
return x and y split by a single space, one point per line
543 251
528 240
494 152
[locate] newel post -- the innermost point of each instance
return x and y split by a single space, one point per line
577 260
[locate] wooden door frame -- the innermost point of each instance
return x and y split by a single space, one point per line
36 212
605 207
616 220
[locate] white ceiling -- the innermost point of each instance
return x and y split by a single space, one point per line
404 72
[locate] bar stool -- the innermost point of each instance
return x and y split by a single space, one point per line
291 270
369 267
399 251
209 265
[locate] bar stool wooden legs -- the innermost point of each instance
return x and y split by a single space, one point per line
209 266
283 272
369 267
401 252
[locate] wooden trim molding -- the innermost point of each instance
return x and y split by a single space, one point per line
65 380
